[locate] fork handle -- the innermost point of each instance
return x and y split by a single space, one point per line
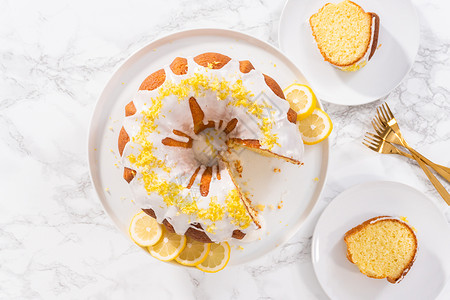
439 187
441 170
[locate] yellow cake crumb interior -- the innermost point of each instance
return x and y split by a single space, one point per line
342 32
382 249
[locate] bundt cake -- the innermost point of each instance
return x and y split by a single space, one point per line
346 35
178 127
382 247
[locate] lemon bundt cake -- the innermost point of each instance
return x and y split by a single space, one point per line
382 247
346 36
178 127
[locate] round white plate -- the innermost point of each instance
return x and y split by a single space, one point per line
342 280
298 187
398 40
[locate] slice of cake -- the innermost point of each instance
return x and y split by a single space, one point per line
382 247
345 34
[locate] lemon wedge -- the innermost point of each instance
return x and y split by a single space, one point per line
301 99
217 259
169 246
194 253
144 230
316 127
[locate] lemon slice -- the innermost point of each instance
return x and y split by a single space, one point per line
316 127
301 98
217 259
169 246
144 230
194 253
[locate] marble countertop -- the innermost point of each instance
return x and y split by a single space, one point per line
56 242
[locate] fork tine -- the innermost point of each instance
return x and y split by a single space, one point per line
369 146
375 126
385 114
370 141
381 116
378 128
374 136
388 110
380 123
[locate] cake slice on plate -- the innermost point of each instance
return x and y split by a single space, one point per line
345 34
382 247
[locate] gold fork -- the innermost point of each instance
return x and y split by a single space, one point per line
386 133
377 144
386 126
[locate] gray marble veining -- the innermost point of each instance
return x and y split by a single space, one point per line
55 57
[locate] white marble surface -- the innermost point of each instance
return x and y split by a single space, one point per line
56 241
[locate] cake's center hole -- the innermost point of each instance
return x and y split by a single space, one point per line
207 145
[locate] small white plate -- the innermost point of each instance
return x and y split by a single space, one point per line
342 280
298 187
398 40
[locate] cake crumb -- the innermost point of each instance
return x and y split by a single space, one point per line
277 170
280 204
275 65
404 219
211 228
240 247
107 190
316 179
238 167
271 207
111 128
260 207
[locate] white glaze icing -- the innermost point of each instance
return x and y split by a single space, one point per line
175 114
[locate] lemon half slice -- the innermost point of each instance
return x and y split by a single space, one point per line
169 246
316 127
144 230
194 253
301 99
217 259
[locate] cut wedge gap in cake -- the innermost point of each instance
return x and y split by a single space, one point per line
235 172
255 146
